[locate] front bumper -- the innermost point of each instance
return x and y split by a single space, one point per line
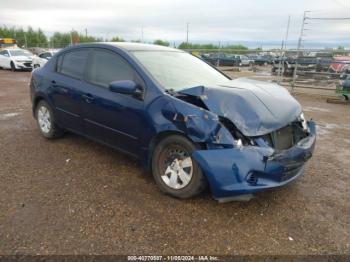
27 65
247 170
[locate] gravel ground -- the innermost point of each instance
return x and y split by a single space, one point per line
73 196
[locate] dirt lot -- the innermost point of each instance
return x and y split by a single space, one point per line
73 196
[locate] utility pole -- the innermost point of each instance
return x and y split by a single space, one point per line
71 37
283 50
86 32
298 48
279 72
287 34
142 34
187 24
25 41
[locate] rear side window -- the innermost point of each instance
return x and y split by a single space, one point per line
106 67
73 63
45 55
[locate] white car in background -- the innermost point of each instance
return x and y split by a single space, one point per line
16 59
41 59
245 60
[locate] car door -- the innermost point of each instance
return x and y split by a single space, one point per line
5 59
112 118
2 53
66 88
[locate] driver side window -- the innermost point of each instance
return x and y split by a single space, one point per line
4 53
106 67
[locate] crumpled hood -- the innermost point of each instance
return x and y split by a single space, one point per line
255 107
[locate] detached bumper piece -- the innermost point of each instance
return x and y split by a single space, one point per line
246 170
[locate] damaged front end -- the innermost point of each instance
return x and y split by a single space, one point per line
245 170
248 146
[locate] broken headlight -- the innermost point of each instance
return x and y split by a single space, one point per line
303 122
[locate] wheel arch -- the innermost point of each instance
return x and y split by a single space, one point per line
36 101
162 135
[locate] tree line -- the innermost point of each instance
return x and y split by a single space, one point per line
36 38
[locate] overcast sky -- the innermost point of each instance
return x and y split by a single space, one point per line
209 21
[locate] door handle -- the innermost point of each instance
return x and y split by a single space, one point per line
88 98
60 89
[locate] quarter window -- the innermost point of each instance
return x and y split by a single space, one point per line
45 55
73 63
106 67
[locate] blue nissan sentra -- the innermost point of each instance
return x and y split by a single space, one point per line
188 123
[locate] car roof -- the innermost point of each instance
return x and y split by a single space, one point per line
127 46
14 49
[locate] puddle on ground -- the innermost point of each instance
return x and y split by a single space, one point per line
313 109
8 115
263 73
326 128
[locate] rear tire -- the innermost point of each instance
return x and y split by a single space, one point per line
46 121
174 170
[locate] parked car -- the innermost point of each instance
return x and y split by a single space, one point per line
287 64
16 59
324 61
187 122
42 58
7 43
346 87
263 59
245 60
339 64
221 59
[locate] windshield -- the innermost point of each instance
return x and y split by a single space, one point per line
20 53
178 70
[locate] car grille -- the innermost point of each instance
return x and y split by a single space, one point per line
28 64
285 137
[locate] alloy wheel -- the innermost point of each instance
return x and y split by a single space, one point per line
44 119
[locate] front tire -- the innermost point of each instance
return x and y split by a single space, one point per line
13 67
174 170
46 121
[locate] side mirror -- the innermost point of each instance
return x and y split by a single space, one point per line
127 87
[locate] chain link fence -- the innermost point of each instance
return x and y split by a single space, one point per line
306 68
